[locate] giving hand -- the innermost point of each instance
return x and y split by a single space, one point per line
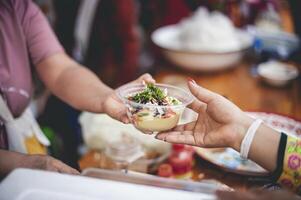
115 108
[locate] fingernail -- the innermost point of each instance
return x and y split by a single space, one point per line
125 120
191 81
158 137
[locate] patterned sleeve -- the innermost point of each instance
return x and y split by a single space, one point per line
290 167
41 40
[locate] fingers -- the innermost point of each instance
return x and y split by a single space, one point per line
125 119
185 127
181 134
61 167
147 78
197 106
201 93
114 107
120 113
185 137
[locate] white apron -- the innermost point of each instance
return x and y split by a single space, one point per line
23 133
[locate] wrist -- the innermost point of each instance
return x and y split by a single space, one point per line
99 102
242 127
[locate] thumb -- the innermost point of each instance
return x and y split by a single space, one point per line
201 93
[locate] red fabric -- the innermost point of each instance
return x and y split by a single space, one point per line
113 45
127 33
175 11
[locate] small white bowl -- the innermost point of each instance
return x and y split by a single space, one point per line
277 73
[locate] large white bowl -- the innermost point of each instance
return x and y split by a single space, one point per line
167 39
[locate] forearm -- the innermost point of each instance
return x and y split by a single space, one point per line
264 148
9 161
73 83
82 89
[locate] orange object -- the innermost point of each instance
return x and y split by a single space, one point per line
165 170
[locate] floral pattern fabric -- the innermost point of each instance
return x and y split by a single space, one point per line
291 174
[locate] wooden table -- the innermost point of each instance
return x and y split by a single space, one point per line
242 88
246 91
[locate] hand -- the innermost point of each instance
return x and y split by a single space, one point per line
220 123
114 107
47 163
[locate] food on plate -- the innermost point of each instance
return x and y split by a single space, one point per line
208 31
159 112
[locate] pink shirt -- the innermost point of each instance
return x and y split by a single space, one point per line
25 38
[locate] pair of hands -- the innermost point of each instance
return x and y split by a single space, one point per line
220 123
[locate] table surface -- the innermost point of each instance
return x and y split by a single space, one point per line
242 88
245 90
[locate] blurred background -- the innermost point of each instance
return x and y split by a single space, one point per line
246 50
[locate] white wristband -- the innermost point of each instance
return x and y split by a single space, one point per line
247 141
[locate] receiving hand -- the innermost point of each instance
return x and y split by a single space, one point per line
114 107
219 122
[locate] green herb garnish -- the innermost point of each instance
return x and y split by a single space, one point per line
143 114
175 102
149 94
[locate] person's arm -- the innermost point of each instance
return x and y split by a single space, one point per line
11 160
73 83
81 88
68 80
222 124
265 145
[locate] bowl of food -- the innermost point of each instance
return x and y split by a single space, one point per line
203 42
154 108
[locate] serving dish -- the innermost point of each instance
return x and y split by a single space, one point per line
167 38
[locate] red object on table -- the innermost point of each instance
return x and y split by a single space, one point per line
181 159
